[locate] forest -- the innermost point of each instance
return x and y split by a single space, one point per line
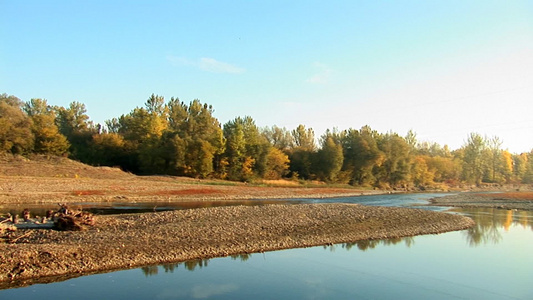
185 139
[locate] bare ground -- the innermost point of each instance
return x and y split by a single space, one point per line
503 200
56 179
127 241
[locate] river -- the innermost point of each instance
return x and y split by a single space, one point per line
492 260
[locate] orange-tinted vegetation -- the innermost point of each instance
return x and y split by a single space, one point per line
185 192
88 193
170 137
511 195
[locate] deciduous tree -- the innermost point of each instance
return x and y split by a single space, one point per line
15 126
395 169
73 122
48 139
330 158
246 149
474 161
279 138
361 155
277 164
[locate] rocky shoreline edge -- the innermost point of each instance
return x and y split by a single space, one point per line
134 240
500 200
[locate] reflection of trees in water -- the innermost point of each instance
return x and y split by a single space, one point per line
241 257
169 268
482 234
190 265
490 221
150 270
364 245
154 270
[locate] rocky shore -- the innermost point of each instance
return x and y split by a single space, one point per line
127 241
503 200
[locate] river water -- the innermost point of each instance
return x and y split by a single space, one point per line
493 260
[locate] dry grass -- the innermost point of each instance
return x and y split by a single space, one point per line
88 193
511 195
184 192
281 182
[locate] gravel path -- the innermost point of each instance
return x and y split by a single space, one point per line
127 241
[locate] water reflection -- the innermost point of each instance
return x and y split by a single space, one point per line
190 265
492 222
490 225
365 245
435 267
241 257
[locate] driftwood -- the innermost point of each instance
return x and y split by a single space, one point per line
31 225
74 220
20 237
63 219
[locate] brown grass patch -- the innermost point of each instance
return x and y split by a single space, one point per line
511 195
281 182
185 192
88 193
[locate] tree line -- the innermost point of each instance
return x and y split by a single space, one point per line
185 139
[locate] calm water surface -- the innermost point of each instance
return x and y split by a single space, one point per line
492 260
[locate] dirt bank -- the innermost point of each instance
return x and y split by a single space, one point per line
127 241
57 179
503 200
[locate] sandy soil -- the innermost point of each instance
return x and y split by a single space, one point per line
503 200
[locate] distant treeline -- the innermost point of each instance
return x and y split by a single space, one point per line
182 139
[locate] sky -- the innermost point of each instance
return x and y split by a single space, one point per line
443 69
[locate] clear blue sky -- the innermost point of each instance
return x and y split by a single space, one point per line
441 68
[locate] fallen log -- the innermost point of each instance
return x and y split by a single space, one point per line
32 225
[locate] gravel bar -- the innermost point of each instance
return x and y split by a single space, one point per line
520 201
133 240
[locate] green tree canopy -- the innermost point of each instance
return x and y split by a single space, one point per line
474 161
73 122
246 149
361 155
48 139
330 158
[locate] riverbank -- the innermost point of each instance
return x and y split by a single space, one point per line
503 200
128 241
60 180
